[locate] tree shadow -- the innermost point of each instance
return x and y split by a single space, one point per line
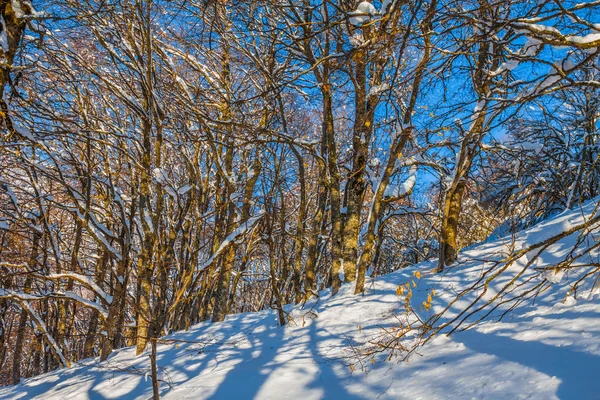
577 371
334 387
254 365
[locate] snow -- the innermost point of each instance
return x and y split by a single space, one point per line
567 65
386 5
341 275
358 21
406 187
550 32
39 322
231 238
363 13
357 39
86 302
531 47
509 65
378 89
19 13
24 297
23 131
159 175
148 219
545 349
98 235
531 146
537 28
366 8
88 281
3 35
479 106
212 77
554 276
184 189
589 38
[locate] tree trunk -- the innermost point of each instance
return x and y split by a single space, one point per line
146 260
18 351
334 189
356 186
313 242
448 237
154 369
300 228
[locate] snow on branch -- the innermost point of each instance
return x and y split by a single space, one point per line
24 297
232 238
363 13
87 281
553 36
41 326
98 234
403 190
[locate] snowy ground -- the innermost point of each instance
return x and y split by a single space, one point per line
546 350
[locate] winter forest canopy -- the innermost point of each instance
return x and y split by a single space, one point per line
167 162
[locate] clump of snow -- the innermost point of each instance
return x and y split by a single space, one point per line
184 189
554 275
3 35
508 65
589 38
386 5
550 31
363 13
531 47
531 146
16 7
567 65
357 39
395 191
4 224
159 175
23 131
378 89
479 106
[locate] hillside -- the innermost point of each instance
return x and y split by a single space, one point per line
545 349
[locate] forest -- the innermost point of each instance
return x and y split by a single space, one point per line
169 162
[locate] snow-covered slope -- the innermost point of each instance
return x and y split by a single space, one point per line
543 350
